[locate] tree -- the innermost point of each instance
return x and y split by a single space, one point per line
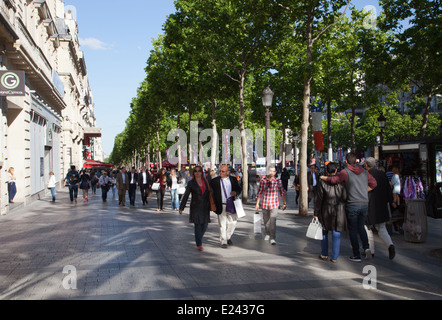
416 51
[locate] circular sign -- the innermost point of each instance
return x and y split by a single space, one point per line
10 80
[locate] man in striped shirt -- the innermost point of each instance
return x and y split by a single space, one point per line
269 190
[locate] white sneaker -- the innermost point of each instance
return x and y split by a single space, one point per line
267 238
273 242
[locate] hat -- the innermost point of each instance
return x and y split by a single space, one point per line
371 162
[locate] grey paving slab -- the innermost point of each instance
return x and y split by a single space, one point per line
136 253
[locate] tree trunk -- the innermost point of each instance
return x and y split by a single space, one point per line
213 159
425 116
303 199
244 166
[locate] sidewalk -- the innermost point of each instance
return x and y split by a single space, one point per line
137 253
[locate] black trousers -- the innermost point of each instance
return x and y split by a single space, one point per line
160 198
132 190
144 188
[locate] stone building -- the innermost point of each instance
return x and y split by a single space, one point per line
47 126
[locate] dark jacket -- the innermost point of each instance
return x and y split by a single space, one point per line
199 203
148 179
217 188
379 199
330 206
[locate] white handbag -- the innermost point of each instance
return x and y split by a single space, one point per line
239 208
314 230
156 186
181 189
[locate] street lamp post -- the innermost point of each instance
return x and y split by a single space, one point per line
381 123
267 99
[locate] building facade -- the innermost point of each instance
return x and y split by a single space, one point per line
48 127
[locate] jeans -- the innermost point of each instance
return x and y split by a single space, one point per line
336 244
104 190
53 193
356 216
73 191
200 230
175 199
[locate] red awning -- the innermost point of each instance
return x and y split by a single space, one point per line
93 164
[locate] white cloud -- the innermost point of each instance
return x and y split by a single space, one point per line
93 44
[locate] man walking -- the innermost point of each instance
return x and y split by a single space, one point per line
269 190
72 179
104 184
358 183
133 181
253 186
122 186
225 186
144 181
378 208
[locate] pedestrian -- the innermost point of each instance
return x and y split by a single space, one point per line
172 184
297 187
199 205
312 179
105 183
72 180
252 180
85 185
183 175
133 181
330 210
144 182
51 185
162 180
122 186
396 185
113 183
358 182
12 187
225 186
378 208
269 190
93 181
285 177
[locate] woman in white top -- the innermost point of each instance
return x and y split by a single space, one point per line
396 184
172 183
51 185
12 188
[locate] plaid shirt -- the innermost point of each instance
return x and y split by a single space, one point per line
269 192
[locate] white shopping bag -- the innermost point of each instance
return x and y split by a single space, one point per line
239 208
314 230
257 222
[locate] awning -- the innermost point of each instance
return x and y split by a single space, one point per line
93 164
92 132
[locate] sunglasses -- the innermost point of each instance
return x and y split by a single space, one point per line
198 171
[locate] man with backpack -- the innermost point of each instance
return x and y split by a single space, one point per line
72 179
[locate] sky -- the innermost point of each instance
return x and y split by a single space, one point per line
116 38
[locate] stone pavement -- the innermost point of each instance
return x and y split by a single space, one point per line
136 253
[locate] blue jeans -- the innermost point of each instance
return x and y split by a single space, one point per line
336 244
356 216
73 191
53 193
175 199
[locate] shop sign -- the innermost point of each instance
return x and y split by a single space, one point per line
12 83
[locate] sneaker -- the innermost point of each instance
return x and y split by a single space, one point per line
200 248
391 252
267 238
355 259
224 246
273 242
324 258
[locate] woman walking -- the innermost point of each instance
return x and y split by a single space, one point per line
12 188
85 184
199 204
172 183
330 210
162 180
51 185
396 184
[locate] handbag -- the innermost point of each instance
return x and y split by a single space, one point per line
230 203
314 230
181 189
156 186
239 208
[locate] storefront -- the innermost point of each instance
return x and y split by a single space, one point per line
415 158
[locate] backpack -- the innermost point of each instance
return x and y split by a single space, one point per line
74 178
